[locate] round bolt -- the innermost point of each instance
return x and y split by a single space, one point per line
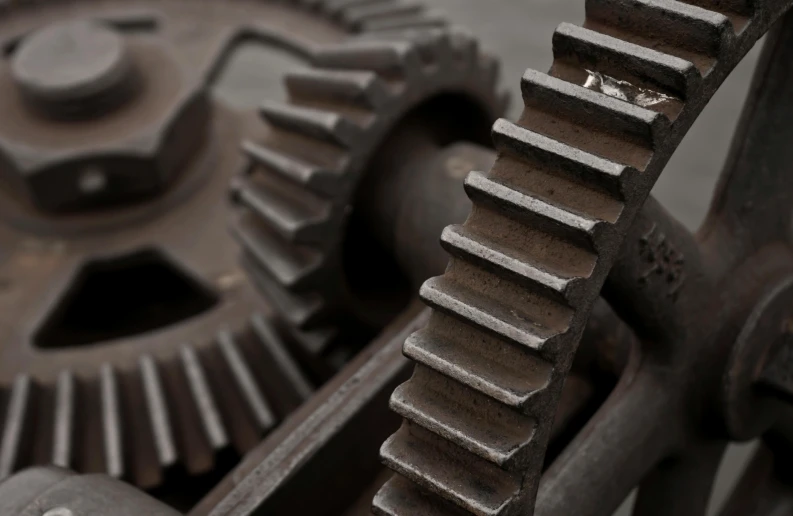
66 68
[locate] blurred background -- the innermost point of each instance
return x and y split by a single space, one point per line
519 33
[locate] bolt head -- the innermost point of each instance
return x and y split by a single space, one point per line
132 151
63 68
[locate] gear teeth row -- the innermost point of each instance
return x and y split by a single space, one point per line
570 175
125 423
295 193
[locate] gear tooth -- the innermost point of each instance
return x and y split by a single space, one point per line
453 411
678 24
509 375
466 243
626 61
245 382
354 17
296 215
453 473
491 315
290 266
158 412
744 8
64 419
389 59
314 342
540 150
418 20
322 125
335 8
581 229
315 178
275 347
594 109
18 419
300 310
112 429
203 399
400 497
360 89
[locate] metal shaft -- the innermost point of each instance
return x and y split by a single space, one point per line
417 191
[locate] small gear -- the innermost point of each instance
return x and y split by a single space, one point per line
299 196
132 344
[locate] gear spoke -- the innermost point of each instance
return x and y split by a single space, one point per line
617 447
658 265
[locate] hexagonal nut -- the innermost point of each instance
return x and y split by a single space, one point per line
115 154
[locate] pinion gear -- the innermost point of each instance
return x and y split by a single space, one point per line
300 188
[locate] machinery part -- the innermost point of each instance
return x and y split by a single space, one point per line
549 222
132 344
344 425
50 491
301 198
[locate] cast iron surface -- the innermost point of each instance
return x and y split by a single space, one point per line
303 183
132 344
558 212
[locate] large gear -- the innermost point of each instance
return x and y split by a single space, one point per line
303 184
157 402
548 225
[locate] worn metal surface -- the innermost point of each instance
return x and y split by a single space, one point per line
556 214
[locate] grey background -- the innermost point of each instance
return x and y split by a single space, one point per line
519 33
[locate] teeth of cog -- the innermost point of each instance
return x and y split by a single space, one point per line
102 408
530 258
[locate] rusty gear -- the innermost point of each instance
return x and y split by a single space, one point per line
109 198
558 212
300 189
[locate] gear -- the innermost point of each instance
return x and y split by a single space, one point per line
301 193
131 343
547 226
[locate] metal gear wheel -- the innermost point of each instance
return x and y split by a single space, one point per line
301 193
564 208
132 344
